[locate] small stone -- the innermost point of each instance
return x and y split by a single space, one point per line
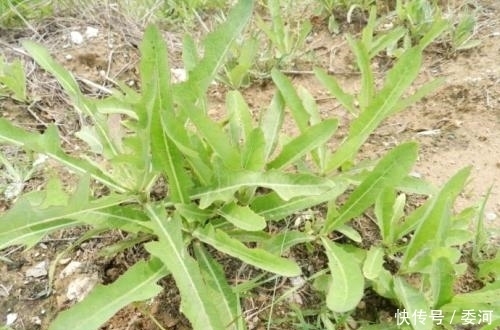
70 269
76 37
178 75
68 57
91 32
297 281
11 318
64 261
80 287
36 320
38 270
491 216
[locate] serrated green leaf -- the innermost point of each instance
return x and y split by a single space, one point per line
157 99
271 123
381 105
242 217
422 91
441 279
240 118
253 152
49 144
286 185
414 302
70 86
214 276
292 99
14 78
255 257
192 213
26 223
490 267
438 27
282 242
345 99
346 289
105 300
385 40
367 92
350 233
272 207
384 210
312 138
216 46
391 169
89 135
196 302
374 262
434 218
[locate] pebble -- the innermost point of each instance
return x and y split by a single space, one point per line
70 269
80 287
11 318
38 270
91 32
76 37
491 216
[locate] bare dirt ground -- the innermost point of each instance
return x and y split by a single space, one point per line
457 126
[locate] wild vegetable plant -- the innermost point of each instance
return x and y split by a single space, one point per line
12 80
222 183
285 39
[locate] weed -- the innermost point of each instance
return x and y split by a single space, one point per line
286 38
12 80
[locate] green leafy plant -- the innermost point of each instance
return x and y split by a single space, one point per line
285 39
12 80
16 174
19 12
330 7
462 34
242 59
